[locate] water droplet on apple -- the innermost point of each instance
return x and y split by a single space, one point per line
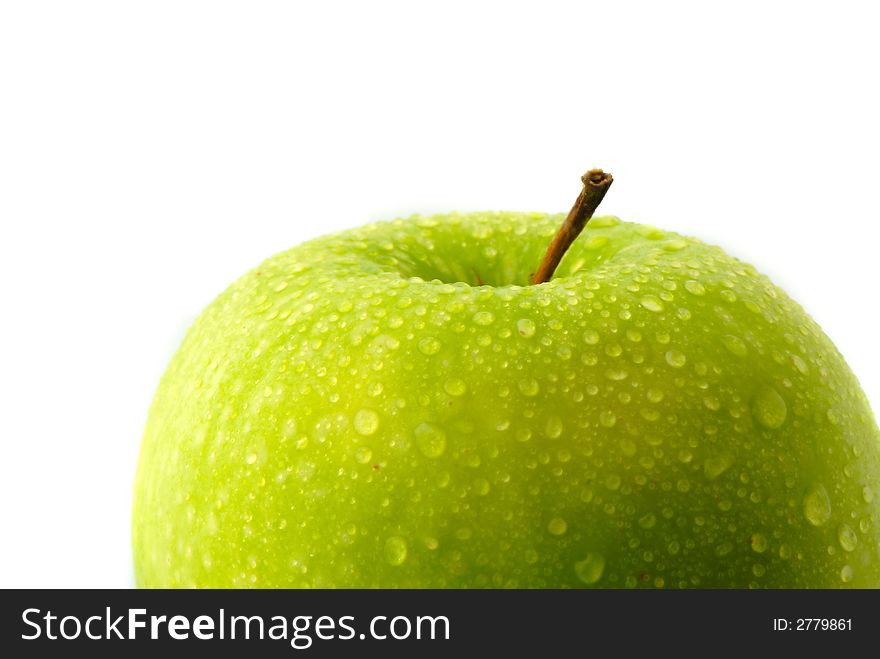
847 537
654 395
529 387
675 245
363 454
607 418
591 337
251 458
612 482
557 526
648 521
464 533
800 364
758 543
429 345
603 221
616 374
651 303
769 408
735 345
867 494
591 568
455 387
817 505
613 350
846 573
366 422
675 358
482 487
712 403
484 318
694 287
723 549
395 550
716 465
430 439
553 428
596 242
374 389
525 327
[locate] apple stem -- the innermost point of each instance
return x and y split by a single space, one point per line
596 184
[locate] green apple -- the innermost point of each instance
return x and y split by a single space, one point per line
398 406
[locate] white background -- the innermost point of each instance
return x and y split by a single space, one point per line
152 152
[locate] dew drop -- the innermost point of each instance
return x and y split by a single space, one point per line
847 537
675 358
557 526
596 242
648 521
654 395
529 387
523 434
758 543
554 427
867 494
363 454
395 550
846 573
525 327
800 364
366 422
251 458
591 337
484 318
591 568
694 287
455 387
607 419
651 303
769 408
616 374
430 439
429 346
735 345
817 505
716 465
723 549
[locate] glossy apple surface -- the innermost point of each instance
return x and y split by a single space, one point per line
359 412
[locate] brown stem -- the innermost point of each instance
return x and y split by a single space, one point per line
596 184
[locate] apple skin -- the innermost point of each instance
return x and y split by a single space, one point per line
358 412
